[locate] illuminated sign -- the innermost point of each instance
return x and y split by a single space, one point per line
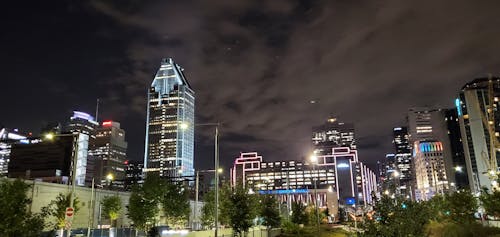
82 115
459 108
107 123
284 191
350 201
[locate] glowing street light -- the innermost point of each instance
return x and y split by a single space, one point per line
49 136
184 126
396 174
313 158
110 177
458 169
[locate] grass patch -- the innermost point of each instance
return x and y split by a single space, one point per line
290 229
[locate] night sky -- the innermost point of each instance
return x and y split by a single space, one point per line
254 65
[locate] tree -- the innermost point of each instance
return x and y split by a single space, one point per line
112 206
269 212
208 209
312 216
225 204
299 215
397 217
144 201
176 204
462 205
16 218
243 209
491 202
57 208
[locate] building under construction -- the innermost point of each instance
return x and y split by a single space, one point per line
477 107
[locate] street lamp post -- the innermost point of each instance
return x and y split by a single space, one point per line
51 136
314 160
216 167
197 192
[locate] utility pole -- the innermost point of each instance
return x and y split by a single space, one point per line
216 180
73 176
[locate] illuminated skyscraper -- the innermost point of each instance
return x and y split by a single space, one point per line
333 134
430 171
403 159
170 123
108 152
84 125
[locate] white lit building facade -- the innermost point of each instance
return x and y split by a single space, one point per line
340 178
430 171
169 143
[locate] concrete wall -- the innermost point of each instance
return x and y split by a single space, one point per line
43 193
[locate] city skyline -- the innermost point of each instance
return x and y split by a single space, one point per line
245 71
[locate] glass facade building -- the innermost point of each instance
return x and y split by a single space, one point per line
8 138
84 125
403 159
109 153
169 143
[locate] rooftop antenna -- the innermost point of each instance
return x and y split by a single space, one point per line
97 109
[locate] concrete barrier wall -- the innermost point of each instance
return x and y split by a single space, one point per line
43 193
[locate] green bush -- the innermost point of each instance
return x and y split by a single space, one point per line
452 229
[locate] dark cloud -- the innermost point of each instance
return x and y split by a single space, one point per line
256 65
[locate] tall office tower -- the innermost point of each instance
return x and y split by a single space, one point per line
333 134
8 138
109 153
430 171
169 144
84 125
430 125
473 112
403 159
457 174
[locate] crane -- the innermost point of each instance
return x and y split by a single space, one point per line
488 119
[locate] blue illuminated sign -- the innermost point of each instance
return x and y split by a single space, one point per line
350 201
459 107
283 191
